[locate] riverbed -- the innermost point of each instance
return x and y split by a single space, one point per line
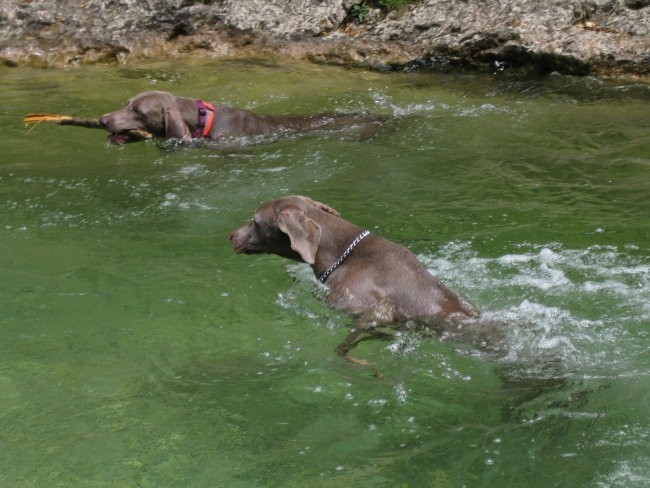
138 350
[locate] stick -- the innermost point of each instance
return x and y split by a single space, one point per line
36 119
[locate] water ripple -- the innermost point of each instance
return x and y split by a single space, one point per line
568 301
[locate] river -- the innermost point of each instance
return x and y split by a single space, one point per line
138 350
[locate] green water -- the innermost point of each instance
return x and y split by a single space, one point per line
138 351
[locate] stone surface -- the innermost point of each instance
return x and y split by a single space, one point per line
570 36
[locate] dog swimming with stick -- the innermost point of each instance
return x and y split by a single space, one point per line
162 115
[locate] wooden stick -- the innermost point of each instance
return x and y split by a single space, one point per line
36 119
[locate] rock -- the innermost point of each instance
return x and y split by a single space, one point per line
637 3
569 36
285 19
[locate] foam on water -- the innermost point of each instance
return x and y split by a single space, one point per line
628 474
385 102
540 294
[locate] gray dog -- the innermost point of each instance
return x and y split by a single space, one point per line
375 280
164 115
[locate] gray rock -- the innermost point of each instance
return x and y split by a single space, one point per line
570 36
637 3
285 19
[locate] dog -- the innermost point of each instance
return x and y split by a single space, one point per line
164 115
373 279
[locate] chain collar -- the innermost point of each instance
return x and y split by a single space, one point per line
344 256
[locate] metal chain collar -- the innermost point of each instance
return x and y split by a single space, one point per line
343 257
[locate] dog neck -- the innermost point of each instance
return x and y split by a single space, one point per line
206 118
344 255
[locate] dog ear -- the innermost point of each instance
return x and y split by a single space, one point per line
175 126
303 232
321 206
327 208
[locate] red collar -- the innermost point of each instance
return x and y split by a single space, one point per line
206 118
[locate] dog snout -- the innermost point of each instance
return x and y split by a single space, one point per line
238 240
106 121
231 237
245 240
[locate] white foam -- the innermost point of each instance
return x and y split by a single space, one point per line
576 304
549 269
628 474
385 102
478 110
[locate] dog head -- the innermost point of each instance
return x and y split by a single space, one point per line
156 112
287 227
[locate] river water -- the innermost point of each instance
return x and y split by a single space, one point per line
139 351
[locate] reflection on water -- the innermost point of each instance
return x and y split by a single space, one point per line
138 350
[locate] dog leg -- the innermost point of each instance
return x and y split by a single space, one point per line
359 333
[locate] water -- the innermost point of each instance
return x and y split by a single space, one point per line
138 350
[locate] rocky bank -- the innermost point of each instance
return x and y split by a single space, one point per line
603 37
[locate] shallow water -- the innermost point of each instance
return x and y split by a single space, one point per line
138 350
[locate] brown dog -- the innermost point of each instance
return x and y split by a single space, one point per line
375 280
165 115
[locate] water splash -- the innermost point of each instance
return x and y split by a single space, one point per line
582 306
386 103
